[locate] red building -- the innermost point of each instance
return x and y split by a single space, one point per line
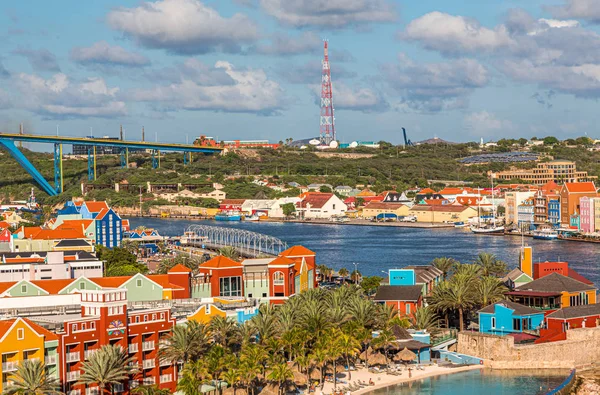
231 204
281 279
105 320
557 323
224 275
404 298
302 255
542 269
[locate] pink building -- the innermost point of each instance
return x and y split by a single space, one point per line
587 220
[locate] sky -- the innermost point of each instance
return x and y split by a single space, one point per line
251 69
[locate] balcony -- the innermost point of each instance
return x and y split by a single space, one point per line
134 384
92 391
51 359
133 348
148 363
74 392
73 376
73 357
118 388
148 346
148 381
164 362
10 366
166 378
88 353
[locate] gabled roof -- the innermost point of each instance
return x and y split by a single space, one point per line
29 231
57 234
580 187
315 199
220 262
54 286
576 311
73 243
426 191
179 268
95 207
282 261
425 273
375 205
110 282
296 251
102 213
74 224
519 309
410 293
550 187
163 281
555 282
6 285
576 276
7 325
514 275
233 201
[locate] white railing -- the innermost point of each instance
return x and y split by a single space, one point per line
117 388
10 366
73 356
166 378
164 362
51 359
149 381
33 360
73 376
134 384
88 353
148 346
148 363
74 392
92 391
133 348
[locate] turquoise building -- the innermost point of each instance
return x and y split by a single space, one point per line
508 317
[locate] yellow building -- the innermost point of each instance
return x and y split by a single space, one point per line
559 171
21 339
205 313
372 209
596 214
442 213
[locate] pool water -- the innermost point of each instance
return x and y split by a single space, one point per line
482 381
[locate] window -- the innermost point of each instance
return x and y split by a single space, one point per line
493 322
407 308
20 334
138 282
82 285
74 327
278 278
23 289
264 295
516 324
230 286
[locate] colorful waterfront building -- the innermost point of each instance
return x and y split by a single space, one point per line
570 196
525 214
405 299
507 318
22 339
512 200
560 321
553 209
427 276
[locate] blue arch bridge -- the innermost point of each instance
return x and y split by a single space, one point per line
7 140
249 244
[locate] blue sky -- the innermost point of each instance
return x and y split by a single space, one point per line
250 69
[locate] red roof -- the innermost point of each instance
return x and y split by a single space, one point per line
110 282
29 231
297 251
468 200
315 199
55 234
375 205
235 202
53 287
282 261
220 262
576 276
4 224
580 187
4 286
102 213
5 326
163 281
522 337
435 202
179 268
76 224
426 191
451 191
550 187
96 207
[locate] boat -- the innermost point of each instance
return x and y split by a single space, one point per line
228 216
459 224
252 218
491 228
545 234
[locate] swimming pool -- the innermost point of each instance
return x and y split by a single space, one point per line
483 381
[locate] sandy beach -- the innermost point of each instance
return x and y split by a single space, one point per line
382 380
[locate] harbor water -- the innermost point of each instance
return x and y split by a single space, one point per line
379 248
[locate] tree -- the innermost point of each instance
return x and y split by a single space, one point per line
193 375
324 189
384 341
349 347
550 140
425 318
280 374
490 290
185 343
150 390
119 262
343 272
167 264
31 378
230 252
223 330
288 209
107 367
232 377
444 264
370 284
490 265
459 296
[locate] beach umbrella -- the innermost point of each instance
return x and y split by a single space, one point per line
406 355
363 355
299 379
377 359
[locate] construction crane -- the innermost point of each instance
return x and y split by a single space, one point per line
407 142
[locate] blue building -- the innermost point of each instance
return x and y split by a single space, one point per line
508 317
554 211
428 276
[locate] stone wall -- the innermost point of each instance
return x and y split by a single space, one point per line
581 347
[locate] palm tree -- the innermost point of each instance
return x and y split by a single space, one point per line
384 341
280 374
444 264
491 265
304 363
343 272
490 290
265 323
193 375
217 359
31 378
350 346
319 355
437 298
230 252
425 318
223 330
107 367
355 276
459 296
232 376
150 390
334 352
466 269
185 343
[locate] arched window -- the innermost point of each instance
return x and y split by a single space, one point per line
278 278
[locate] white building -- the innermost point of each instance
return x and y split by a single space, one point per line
321 205
46 265
257 206
276 211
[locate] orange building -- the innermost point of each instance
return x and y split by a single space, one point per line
570 193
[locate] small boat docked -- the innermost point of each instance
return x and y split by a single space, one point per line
459 224
228 216
252 218
488 229
545 234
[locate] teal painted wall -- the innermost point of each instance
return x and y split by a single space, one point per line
76 285
30 290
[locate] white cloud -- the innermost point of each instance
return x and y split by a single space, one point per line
330 13
483 124
581 9
39 59
103 53
452 34
183 26
346 97
434 86
245 91
284 44
58 97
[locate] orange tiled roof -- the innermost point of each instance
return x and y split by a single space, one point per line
220 262
96 207
163 281
102 213
366 192
4 224
4 286
451 191
580 187
30 231
426 191
435 202
55 234
5 326
74 224
53 287
283 261
550 187
179 268
110 282
297 251
24 260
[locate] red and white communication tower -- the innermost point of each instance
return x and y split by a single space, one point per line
327 134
